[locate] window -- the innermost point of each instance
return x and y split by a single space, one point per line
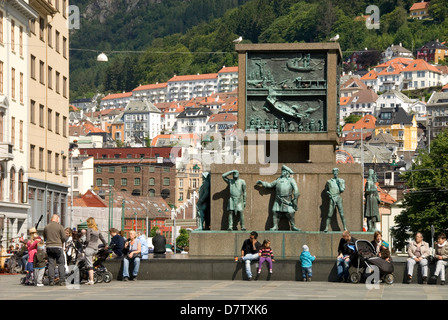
13 83
111 169
21 87
57 41
41 29
152 181
49 122
13 43
1 26
21 41
124 181
64 166
111 182
75 182
41 72
41 159
12 186
137 169
13 131
99 182
21 135
99 170
64 126
58 76
33 67
56 123
64 87
124 169
32 156
64 47
49 155
1 74
166 181
56 163
136 181
50 77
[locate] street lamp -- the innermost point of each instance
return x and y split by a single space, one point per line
173 228
102 57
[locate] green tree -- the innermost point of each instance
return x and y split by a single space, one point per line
438 9
353 118
183 239
426 202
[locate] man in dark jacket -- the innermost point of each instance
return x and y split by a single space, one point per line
346 251
249 252
54 235
116 243
159 243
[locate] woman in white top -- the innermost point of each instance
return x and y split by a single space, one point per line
134 249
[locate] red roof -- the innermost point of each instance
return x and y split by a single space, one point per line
421 65
89 199
196 77
117 95
151 86
419 6
228 70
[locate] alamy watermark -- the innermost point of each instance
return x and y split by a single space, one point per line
373 21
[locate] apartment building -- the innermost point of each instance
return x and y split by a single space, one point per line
14 103
47 142
190 86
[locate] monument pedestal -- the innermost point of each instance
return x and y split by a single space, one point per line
284 244
288 96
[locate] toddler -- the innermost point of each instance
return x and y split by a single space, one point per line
265 254
307 262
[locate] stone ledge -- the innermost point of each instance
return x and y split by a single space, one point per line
182 267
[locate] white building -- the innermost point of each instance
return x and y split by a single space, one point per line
81 174
14 111
227 79
142 120
192 120
395 51
115 100
155 93
394 98
420 74
191 86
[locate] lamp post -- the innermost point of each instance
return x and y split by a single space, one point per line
173 228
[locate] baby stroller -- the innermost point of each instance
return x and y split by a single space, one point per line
366 259
102 273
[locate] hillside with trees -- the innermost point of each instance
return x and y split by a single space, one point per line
154 40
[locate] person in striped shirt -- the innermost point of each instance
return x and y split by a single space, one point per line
265 254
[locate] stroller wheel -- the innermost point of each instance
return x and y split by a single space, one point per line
22 280
100 277
355 277
389 278
107 276
95 277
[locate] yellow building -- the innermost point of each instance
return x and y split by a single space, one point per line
48 94
419 10
402 126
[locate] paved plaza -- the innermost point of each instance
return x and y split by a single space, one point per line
189 290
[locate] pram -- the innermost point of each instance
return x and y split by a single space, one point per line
100 274
365 261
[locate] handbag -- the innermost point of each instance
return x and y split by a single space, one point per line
431 259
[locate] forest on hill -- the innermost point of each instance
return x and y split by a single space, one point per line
150 41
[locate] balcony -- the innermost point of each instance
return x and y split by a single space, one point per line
6 151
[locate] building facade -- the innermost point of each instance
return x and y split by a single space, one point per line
48 111
15 16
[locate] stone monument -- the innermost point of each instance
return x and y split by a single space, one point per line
288 96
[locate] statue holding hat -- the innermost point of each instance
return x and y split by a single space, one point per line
237 200
203 204
334 188
286 197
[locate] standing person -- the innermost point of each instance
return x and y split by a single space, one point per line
265 253
55 237
116 243
40 262
92 241
237 200
307 263
441 255
69 251
418 251
249 252
159 243
31 245
134 253
334 188
144 244
346 250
